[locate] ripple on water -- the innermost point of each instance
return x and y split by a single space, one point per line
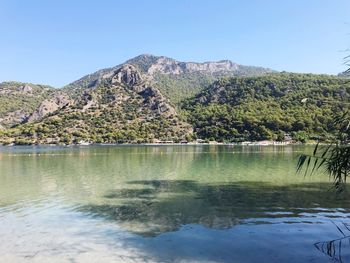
165 204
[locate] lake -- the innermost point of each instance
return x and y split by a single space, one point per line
168 204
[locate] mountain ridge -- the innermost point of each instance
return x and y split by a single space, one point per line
169 76
151 98
173 74
123 108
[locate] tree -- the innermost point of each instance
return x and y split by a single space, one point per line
334 157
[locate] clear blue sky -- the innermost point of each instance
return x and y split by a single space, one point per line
57 42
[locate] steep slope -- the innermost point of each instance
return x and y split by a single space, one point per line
176 80
130 103
19 100
124 107
268 107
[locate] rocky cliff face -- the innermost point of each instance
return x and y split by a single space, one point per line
127 74
125 107
164 65
150 65
19 100
152 97
153 67
50 105
137 97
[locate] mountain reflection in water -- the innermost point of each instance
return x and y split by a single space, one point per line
167 204
158 206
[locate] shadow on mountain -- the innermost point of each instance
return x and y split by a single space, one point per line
152 207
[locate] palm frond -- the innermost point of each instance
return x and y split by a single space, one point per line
334 157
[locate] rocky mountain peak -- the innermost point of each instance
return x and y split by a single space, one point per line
144 57
127 74
153 67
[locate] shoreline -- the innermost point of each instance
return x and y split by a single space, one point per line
163 144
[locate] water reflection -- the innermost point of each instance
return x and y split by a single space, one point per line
337 249
152 207
211 203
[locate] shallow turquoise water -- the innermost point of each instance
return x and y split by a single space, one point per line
167 204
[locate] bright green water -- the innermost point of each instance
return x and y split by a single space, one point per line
166 204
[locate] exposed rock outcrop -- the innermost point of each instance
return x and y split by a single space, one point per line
165 65
151 66
51 105
127 74
138 94
26 88
19 100
132 77
13 118
156 101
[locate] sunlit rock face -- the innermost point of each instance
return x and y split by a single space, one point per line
125 104
191 75
19 100
127 74
186 78
170 66
57 102
145 91
153 98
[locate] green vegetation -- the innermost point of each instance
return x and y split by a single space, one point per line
275 106
99 116
268 107
143 62
182 86
18 100
334 157
175 84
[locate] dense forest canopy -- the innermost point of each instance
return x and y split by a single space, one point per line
268 107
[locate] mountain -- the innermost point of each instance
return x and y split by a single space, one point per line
176 80
150 98
19 100
173 79
268 107
124 107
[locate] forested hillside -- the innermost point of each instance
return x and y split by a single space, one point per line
124 108
268 107
152 98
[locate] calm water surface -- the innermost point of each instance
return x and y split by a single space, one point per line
167 204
